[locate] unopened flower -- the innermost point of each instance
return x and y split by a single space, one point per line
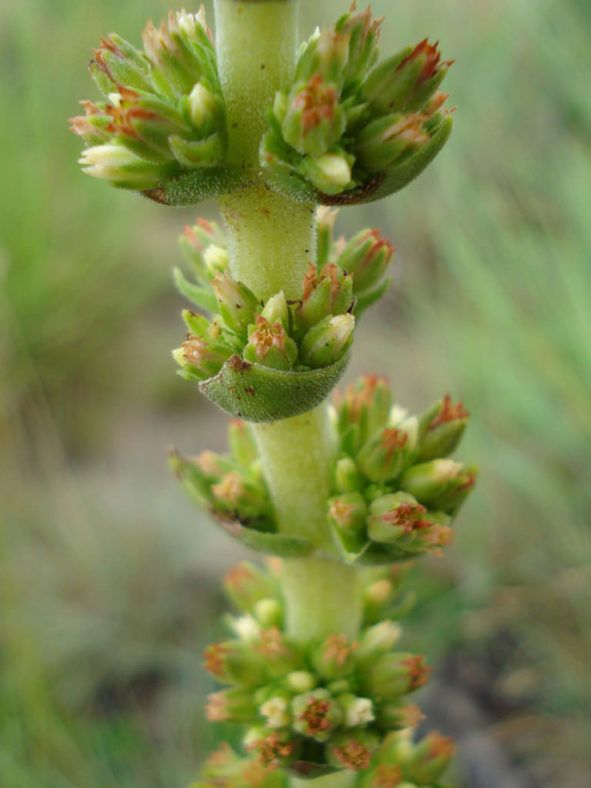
327 341
270 345
441 429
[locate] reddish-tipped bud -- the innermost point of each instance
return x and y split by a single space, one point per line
396 674
366 256
429 759
314 120
325 292
315 714
406 81
441 429
237 304
393 716
270 345
246 585
347 515
235 662
200 358
233 706
273 749
352 750
395 516
240 497
385 455
334 658
362 410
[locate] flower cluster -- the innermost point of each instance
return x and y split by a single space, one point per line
311 333
232 488
312 706
164 111
349 129
396 489
398 763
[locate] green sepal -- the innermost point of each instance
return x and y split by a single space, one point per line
200 296
280 545
190 188
257 393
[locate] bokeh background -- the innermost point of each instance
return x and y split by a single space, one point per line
109 580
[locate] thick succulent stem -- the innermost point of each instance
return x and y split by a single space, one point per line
271 240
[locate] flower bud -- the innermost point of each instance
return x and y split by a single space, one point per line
244 627
366 256
300 681
177 63
393 716
407 81
237 304
386 140
269 344
246 585
197 324
276 310
328 292
395 516
429 759
346 516
377 640
117 63
457 491
269 613
121 167
386 454
205 109
334 658
315 714
362 410
273 749
234 706
325 54
347 477
362 32
314 120
325 219
439 483
237 496
396 674
327 341
357 711
329 173
281 656
276 712
441 429
200 358
236 662
352 749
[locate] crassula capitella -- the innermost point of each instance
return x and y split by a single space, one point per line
342 490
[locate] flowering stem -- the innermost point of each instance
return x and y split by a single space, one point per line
271 240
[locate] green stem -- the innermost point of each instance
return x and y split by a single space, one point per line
270 238
271 241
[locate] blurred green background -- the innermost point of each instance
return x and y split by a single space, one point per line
109 580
